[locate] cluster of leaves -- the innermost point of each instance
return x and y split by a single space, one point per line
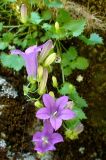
40 26
47 20
79 104
71 61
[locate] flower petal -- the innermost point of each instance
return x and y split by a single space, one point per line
61 102
56 138
32 49
67 114
40 147
42 113
49 102
37 137
47 127
56 122
31 64
17 51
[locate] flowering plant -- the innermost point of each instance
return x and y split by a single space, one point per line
39 62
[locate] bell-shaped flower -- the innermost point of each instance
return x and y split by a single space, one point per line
55 110
31 56
45 140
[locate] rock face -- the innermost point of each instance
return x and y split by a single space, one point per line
6 89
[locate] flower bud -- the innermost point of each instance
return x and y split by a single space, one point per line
32 80
51 94
43 82
54 81
40 73
71 134
79 128
50 59
56 26
38 104
23 13
70 105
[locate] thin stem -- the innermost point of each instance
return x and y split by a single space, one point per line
15 26
59 49
63 77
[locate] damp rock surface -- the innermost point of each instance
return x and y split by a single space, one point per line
6 89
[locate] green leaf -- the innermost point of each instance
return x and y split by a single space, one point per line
8 37
70 89
76 27
1 26
79 113
72 53
46 26
35 18
65 89
46 15
71 124
11 0
73 65
81 63
54 4
96 39
67 70
12 61
93 40
63 16
68 62
3 45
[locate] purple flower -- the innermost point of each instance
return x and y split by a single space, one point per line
45 140
31 56
55 110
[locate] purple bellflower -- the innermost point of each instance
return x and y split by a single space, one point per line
45 140
31 56
55 110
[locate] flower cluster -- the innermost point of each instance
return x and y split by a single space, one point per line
53 113
38 60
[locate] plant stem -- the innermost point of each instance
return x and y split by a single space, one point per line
16 26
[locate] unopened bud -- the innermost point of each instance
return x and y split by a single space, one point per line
70 105
51 94
45 50
57 26
38 104
32 80
40 73
43 82
50 59
71 134
23 13
54 82
79 128
40 155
